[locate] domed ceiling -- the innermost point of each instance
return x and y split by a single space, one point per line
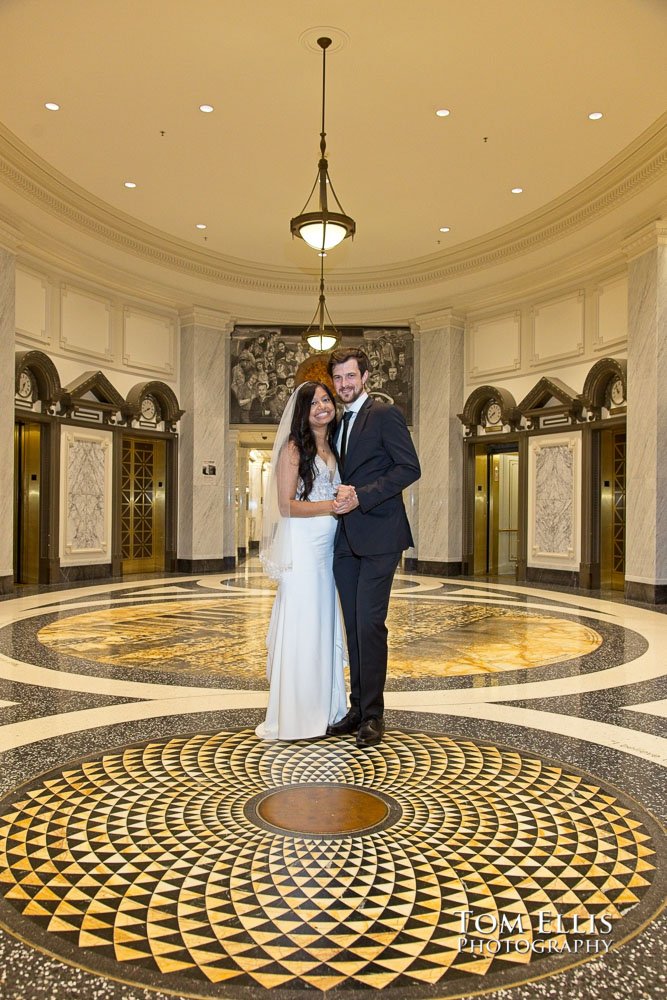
520 81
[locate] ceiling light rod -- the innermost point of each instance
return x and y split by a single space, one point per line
321 338
322 229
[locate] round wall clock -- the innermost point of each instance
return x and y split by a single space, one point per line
25 385
493 412
617 392
148 408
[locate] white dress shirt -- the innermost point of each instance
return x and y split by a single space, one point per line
353 408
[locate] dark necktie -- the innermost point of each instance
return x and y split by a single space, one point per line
347 416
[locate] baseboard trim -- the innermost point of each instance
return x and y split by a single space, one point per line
88 571
647 593
430 568
558 577
222 565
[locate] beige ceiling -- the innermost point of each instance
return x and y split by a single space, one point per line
520 78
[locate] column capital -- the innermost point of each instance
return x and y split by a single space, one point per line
212 319
11 238
646 239
442 319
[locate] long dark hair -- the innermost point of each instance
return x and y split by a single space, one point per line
302 435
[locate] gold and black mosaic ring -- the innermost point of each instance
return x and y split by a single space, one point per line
430 866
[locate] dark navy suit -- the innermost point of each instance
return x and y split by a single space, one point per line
380 462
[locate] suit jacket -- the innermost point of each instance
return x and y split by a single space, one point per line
380 462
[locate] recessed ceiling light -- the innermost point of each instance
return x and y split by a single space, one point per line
130 184
442 112
206 108
201 225
444 229
50 106
517 190
595 115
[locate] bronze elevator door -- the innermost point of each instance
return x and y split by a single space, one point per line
612 509
142 505
26 502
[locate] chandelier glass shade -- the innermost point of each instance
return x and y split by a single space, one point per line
321 234
321 338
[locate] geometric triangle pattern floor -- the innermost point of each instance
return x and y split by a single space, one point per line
146 864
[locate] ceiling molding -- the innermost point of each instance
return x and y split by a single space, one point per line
639 165
45 255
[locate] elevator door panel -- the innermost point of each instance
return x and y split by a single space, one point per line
142 505
612 510
27 439
508 501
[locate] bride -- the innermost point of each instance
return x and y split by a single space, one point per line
305 638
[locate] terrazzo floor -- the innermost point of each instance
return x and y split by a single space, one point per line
503 840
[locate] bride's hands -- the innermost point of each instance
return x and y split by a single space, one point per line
346 500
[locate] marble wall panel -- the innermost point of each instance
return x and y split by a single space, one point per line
186 446
441 376
554 501
7 325
646 525
205 522
86 489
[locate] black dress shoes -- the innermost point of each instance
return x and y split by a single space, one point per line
348 724
370 732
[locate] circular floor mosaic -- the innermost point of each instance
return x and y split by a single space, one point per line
227 637
145 864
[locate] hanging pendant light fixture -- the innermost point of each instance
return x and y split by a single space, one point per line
321 338
322 229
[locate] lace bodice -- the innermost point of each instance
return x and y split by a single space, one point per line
323 484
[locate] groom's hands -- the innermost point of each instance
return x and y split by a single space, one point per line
346 500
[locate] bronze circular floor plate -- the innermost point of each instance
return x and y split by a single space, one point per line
322 809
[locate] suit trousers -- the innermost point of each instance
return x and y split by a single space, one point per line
364 586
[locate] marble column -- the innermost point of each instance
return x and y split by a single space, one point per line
440 443
229 526
206 531
7 348
646 462
242 511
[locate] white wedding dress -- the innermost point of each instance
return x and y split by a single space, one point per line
305 638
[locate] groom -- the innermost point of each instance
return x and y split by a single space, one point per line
377 462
